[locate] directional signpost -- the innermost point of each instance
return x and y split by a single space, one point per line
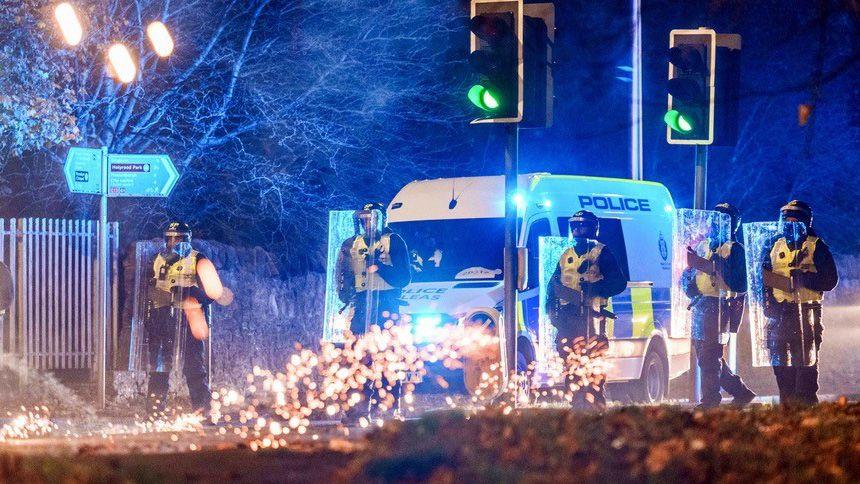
141 176
83 170
94 171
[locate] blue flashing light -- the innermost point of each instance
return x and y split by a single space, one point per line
427 328
519 200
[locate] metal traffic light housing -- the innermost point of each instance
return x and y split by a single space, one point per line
496 57
703 86
692 61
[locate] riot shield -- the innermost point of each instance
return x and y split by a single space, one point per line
352 287
781 325
340 291
697 293
550 250
166 319
581 306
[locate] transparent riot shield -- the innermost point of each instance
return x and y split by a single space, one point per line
352 285
339 286
696 235
169 321
551 249
781 324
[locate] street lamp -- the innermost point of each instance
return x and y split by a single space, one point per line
122 63
67 18
160 38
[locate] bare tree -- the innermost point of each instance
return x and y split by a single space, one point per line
273 110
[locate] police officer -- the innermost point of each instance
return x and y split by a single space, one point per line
717 304
794 316
176 291
372 269
586 276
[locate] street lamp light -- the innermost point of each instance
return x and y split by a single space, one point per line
67 18
160 38
122 63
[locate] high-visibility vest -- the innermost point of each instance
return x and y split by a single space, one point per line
714 285
182 273
783 259
358 255
573 274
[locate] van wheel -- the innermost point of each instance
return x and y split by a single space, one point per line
653 386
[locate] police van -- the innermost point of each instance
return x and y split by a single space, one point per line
454 228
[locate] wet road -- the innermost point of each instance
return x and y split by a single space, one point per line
839 371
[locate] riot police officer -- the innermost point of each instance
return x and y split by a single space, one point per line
175 335
372 269
717 303
794 327
586 276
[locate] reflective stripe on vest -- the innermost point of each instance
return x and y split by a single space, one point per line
715 286
572 272
358 254
783 259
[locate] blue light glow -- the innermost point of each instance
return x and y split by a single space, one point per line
519 200
427 328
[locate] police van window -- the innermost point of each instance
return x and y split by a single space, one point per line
539 228
447 250
611 234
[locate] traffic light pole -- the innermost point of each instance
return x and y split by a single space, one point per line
509 332
699 202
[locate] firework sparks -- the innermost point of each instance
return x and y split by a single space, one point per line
32 423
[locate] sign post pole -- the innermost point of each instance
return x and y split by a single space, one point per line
95 172
101 344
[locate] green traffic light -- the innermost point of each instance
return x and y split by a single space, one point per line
678 121
483 98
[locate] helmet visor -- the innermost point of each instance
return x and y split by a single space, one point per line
581 228
369 220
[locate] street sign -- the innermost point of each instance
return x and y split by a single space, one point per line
83 170
127 176
140 175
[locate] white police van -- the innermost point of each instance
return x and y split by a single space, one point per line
454 230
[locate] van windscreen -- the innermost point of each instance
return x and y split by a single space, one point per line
458 249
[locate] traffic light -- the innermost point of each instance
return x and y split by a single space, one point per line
690 114
704 75
497 59
538 42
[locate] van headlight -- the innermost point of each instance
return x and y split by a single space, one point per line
427 328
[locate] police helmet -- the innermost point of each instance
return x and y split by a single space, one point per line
584 218
373 211
733 213
178 229
799 210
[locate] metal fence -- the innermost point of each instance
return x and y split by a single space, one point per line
53 320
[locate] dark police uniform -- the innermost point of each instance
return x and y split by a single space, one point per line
590 268
374 296
717 308
794 318
174 279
